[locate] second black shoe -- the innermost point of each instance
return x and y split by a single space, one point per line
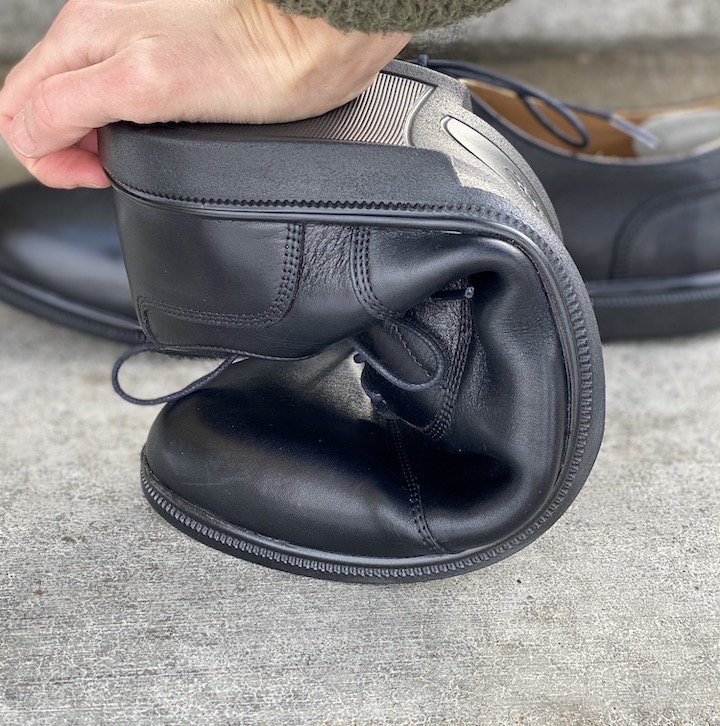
60 258
637 194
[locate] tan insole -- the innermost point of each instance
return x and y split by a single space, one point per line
605 139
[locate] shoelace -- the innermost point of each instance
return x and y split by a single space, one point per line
363 355
170 397
527 94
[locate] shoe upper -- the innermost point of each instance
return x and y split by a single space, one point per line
297 454
292 453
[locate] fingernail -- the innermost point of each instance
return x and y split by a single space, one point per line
21 139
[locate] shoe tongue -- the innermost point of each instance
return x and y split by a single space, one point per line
681 132
411 358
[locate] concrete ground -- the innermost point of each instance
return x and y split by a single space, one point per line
109 615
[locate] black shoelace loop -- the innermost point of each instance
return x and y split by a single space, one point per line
169 398
365 355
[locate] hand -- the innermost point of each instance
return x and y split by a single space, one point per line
146 61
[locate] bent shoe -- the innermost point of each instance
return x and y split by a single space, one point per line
637 194
60 258
404 223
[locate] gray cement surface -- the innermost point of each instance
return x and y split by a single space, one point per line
109 615
523 27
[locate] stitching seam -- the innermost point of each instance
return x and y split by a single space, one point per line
396 331
279 307
361 275
413 485
439 426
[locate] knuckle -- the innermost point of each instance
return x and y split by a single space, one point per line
72 9
143 86
68 16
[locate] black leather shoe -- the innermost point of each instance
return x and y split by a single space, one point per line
640 223
60 258
405 223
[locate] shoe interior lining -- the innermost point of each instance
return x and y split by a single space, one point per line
605 139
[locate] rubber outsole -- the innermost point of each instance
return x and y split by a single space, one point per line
210 530
657 308
84 318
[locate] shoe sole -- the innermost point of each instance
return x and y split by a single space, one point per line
53 307
210 530
665 307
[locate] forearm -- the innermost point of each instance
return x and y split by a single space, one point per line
389 15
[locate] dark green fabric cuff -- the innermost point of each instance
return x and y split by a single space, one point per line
372 16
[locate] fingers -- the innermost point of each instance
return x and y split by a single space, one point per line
38 64
54 137
69 45
12 89
64 108
69 169
73 42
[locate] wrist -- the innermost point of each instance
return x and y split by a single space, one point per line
319 63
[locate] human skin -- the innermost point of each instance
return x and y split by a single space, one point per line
147 61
